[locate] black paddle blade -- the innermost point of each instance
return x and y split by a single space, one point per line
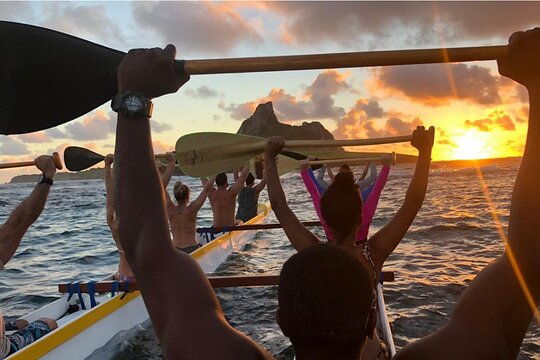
78 158
48 78
298 156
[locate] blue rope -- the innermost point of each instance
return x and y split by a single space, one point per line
70 291
115 287
91 293
126 290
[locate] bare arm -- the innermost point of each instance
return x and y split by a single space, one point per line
260 186
235 173
364 173
109 203
13 230
298 235
189 310
167 175
199 201
494 312
239 182
386 239
364 182
330 173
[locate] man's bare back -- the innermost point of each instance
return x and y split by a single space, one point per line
223 200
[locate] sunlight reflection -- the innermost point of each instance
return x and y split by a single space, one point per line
511 257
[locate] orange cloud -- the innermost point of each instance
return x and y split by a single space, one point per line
316 102
35 137
160 147
496 119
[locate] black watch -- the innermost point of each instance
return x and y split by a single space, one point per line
42 179
133 104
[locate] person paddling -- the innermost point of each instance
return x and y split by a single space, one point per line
11 234
492 315
248 198
223 198
183 216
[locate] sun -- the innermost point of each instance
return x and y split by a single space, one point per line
472 145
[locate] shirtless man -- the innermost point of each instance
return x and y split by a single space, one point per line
490 319
11 234
223 199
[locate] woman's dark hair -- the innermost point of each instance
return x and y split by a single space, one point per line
250 179
341 205
181 192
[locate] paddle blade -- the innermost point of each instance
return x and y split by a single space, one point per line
209 153
78 158
49 78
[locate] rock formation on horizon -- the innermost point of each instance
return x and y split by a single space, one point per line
264 123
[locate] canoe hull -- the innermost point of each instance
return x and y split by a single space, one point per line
80 334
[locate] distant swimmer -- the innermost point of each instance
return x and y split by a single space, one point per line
248 198
11 234
326 303
223 199
183 216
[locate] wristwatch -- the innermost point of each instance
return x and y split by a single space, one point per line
133 104
42 179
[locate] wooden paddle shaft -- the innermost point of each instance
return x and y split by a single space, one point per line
215 281
55 156
340 60
341 161
252 227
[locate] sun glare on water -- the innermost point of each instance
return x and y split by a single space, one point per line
471 146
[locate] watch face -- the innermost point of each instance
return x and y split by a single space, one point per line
133 103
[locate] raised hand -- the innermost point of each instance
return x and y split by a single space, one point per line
109 158
46 165
150 71
170 157
422 139
520 62
274 146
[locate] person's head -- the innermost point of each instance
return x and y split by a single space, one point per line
221 179
326 299
250 180
345 169
181 192
341 205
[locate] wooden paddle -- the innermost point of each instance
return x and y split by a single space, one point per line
215 281
55 156
209 153
40 67
78 158
350 161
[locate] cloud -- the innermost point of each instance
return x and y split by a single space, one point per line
12 146
207 27
15 10
161 147
415 23
437 85
363 121
496 119
81 20
96 126
55 133
316 102
203 92
35 137
159 127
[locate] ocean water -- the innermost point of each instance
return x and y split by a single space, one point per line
452 238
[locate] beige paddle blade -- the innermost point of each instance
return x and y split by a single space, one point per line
208 153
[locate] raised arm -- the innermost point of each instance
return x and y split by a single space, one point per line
239 182
199 201
494 312
167 174
109 203
364 173
298 235
235 173
386 239
330 173
13 230
366 181
260 186
189 310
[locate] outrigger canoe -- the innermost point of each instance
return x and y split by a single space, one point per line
88 329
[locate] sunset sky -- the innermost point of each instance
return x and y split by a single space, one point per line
477 113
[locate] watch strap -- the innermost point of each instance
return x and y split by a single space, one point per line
46 180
